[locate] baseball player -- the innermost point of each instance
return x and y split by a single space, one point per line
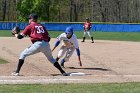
40 38
87 26
70 43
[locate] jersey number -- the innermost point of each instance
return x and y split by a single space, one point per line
40 29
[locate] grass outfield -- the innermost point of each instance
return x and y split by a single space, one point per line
119 36
72 88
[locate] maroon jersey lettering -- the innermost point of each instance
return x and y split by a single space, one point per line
39 29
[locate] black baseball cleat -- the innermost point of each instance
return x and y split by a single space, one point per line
62 65
92 42
65 74
82 41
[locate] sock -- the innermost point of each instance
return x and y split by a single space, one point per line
92 38
62 61
59 67
20 63
57 59
84 39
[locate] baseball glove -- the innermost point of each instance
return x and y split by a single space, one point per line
15 30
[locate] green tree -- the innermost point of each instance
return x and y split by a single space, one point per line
24 8
42 7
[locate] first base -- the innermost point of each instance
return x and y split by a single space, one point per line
77 74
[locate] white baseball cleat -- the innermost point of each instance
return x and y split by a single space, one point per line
15 74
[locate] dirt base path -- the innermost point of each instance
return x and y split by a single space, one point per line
103 61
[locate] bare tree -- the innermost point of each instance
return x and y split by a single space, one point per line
77 10
3 10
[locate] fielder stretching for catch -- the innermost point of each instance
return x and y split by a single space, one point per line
87 26
70 43
40 38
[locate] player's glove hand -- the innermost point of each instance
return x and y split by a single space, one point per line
15 30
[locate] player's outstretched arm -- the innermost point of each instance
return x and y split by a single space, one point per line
16 32
19 36
56 44
53 48
79 62
79 58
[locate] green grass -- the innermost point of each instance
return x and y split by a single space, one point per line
3 61
118 36
72 88
4 33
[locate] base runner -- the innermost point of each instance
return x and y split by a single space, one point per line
70 43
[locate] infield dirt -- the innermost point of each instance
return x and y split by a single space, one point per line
103 61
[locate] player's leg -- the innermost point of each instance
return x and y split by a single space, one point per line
34 48
48 53
84 36
69 53
89 34
61 52
20 63
92 39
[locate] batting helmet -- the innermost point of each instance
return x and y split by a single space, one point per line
69 30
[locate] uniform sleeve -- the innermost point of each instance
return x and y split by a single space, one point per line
26 31
90 25
60 37
75 42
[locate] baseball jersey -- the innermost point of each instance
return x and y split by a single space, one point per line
87 26
36 32
72 42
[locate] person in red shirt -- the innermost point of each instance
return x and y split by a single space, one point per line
87 27
40 38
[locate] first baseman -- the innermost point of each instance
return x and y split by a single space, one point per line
40 38
87 26
70 43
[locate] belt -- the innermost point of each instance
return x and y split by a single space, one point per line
36 41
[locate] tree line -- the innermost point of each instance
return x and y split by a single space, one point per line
126 11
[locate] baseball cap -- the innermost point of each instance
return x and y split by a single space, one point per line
33 16
87 18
